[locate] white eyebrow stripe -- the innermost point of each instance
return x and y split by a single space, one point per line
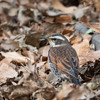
57 37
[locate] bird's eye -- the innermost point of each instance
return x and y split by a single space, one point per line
54 39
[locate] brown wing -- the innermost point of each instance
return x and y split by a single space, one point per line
64 58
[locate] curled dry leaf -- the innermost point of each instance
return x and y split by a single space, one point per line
43 67
6 72
40 64
20 91
89 70
76 39
64 19
5 60
84 44
15 56
1 57
79 47
31 55
4 5
59 6
97 5
67 32
9 45
22 2
96 79
95 27
63 93
44 51
53 13
22 19
46 93
80 12
89 56
76 93
42 74
53 28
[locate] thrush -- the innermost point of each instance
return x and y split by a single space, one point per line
62 58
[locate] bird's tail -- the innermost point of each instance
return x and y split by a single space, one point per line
74 77
75 80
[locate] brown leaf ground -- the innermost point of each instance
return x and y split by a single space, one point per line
24 69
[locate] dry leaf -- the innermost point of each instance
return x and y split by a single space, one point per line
64 19
76 39
13 11
9 45
97 5
53 28
5 60
4 5
20 91
82 47
59 6
75 93
6 72
95 27
44 51
67 32
15 56
80 12
89 56
63 93
23 2
22 19
31 55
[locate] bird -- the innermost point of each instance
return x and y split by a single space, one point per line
62 58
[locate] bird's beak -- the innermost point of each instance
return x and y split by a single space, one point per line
46 37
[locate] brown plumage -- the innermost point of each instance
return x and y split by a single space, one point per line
62 58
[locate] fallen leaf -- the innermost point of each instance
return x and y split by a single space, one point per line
97 5
13 11
76 93
89 56
20 91
22 19
9 45
22 2
31 55
44 51
4 4
6 72
15 56
69 32
95 27
59 6
63 93
5 60
76 39
80 12
40 64
53 13
79 47
53 28
64 19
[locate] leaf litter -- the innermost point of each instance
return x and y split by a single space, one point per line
24 69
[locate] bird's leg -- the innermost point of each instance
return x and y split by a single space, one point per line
56 80
64 77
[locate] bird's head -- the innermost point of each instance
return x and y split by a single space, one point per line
56 40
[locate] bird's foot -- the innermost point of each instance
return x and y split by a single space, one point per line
56 81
